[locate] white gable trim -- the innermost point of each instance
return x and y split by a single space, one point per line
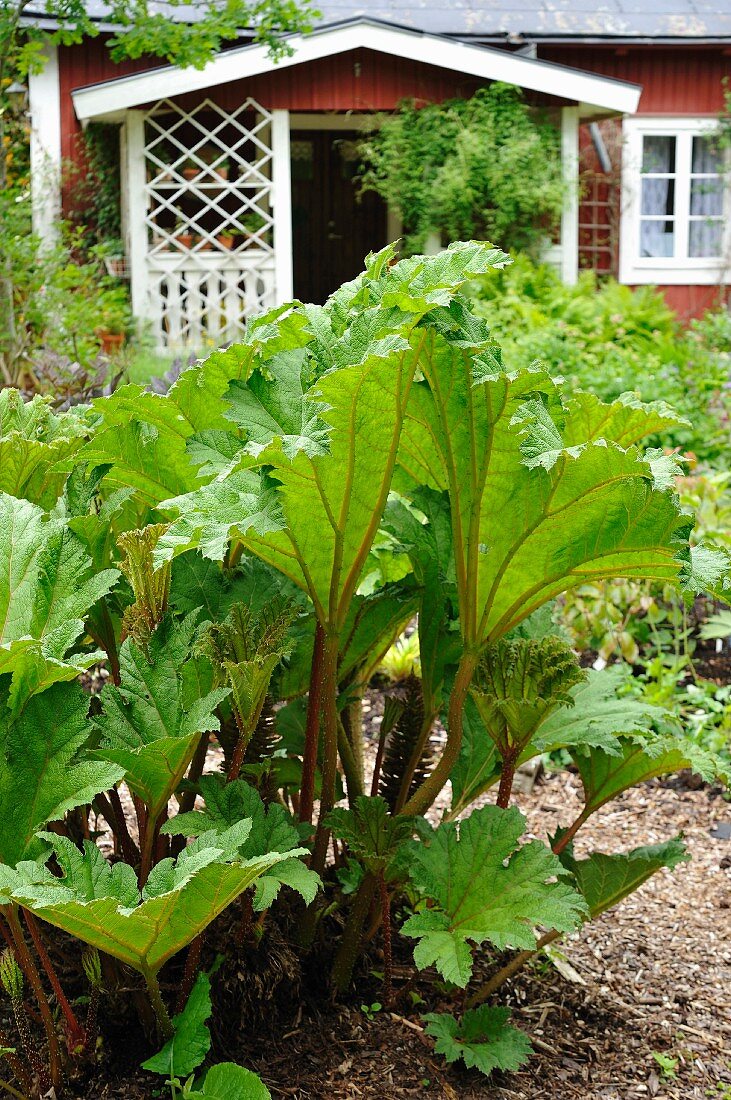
594 93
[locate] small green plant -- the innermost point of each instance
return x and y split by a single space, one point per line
371 1011
668 1064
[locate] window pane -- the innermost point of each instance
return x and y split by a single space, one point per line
658 153
706 155
706 196
658 197
657 238
705 239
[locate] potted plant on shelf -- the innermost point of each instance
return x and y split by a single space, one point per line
253 224
225 239
191 170
116 320
183 236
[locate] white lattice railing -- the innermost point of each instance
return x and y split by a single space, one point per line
209 226
204 300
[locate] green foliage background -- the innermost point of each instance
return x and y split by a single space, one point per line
453 169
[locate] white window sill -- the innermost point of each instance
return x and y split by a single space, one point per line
666 273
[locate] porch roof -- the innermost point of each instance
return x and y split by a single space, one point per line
594 94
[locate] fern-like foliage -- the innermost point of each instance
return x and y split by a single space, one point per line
402 743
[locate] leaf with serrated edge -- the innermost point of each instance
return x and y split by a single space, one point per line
149 724
192 1039
605 880
483 1039
487 887
43 773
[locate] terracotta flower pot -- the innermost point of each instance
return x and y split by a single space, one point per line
191 173
225 240
110 342
185 240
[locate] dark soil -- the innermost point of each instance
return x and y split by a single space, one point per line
652 975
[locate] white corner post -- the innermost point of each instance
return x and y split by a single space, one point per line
134 210
570 215
282 207
44 102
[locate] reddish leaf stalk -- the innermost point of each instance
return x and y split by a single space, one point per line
92 1014
312 727
565 839
75 1033
507 778
30 970
130 851
192 963
247 918
387 946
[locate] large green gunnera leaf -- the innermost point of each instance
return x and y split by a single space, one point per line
34 446
101 905
43 771
152 722
486 888
47 586
531 516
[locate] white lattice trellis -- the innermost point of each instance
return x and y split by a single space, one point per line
209 221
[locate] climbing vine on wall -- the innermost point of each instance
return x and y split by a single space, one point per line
488 167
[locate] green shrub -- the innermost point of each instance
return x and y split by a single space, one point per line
611 339
451 168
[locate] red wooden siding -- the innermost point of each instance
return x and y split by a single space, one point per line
674 81
360 80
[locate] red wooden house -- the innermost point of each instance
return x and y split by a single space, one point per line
236 179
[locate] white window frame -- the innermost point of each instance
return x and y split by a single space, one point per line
666 270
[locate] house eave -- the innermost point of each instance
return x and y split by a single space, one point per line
595 94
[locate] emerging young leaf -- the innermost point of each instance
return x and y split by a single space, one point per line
605 880
245 649
518 684
370 831
483 1039
151 586
151 723
486 887
43 772
272 830
192 1039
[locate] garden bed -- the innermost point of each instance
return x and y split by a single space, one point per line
656 973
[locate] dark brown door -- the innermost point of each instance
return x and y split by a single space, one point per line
333 229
